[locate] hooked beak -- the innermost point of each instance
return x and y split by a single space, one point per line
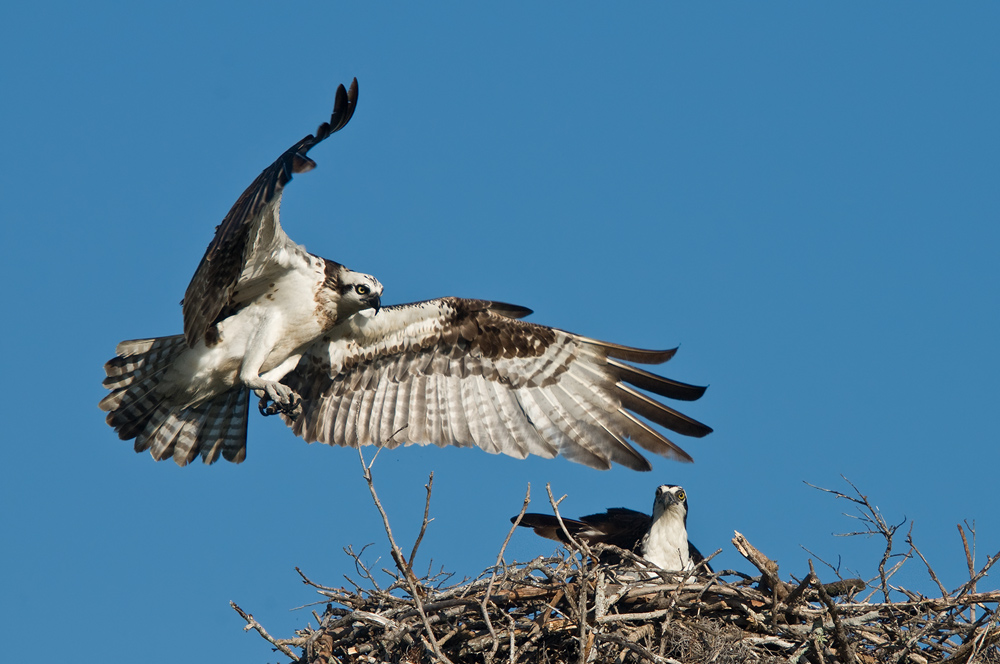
375 302
668 499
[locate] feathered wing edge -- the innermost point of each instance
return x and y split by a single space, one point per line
251 223
619 526
465 372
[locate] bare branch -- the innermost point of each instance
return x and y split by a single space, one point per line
579 546
423 525
397 556
493 576
574 607
839 633
970 562
253 624
930 570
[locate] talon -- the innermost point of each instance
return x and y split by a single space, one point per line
294 406
266 408
272 403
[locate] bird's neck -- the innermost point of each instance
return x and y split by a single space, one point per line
666 545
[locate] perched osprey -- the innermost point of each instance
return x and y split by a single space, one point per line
661 539
310 337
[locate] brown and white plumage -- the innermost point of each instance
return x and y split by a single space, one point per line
468 372
309 337
216 425
255 304
245 245
661 538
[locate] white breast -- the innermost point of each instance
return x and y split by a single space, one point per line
666 545
277 319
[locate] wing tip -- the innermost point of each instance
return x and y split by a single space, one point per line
344 104
510 310
640 355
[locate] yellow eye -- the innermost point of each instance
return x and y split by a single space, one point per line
680 496
361 289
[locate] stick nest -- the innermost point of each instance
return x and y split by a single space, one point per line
574 608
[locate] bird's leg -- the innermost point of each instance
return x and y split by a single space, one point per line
275 397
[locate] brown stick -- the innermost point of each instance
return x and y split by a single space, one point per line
930 570
489 588
397 556
423 525
253 624
969 561
839 633
768 568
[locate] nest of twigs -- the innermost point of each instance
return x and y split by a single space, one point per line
575 609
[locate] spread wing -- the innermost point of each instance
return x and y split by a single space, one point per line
467 372
619 526
248 238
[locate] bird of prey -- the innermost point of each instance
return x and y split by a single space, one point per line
661 539
311 339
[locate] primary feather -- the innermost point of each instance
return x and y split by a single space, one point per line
309 336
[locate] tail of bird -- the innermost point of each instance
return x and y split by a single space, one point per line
138 409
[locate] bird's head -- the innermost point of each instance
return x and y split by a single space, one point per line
358 291
671 499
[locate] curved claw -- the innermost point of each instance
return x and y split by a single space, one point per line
268 405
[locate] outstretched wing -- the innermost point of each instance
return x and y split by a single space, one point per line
247 239
619 526
467 372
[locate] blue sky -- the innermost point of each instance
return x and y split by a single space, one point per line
803 196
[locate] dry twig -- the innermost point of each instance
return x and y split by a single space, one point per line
573 608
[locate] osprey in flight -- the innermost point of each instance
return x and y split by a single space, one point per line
661 539
311 339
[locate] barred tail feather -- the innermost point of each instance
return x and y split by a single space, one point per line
211 428
132 377
137 410
141 358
